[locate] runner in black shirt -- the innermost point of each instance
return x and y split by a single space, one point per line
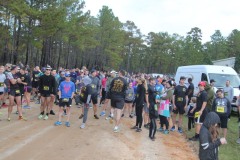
153 113
180 100
190 89
117 90
35 80
200 109
47 89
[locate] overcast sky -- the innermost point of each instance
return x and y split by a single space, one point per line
175 16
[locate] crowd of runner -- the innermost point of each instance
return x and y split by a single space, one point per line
127 95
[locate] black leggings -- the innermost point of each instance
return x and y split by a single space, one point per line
190 122
103 95
139 118
163 121
153 127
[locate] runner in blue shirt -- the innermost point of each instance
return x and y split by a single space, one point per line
66 93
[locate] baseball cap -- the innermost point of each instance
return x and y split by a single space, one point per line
93 70
67 75
113 71
212 80
182 77
202 83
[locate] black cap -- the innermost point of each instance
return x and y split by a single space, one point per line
212 80
93 70
182 77
170 82
189 79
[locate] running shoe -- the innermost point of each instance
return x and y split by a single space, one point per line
122 115
4 105
180 130
20 118
51 112
238 141
130 116
147 126
40 116
67 124
82 125
172 129
194 138
9 119
160 129
58 123
16 112
152 138
37 102
116 129
102 113
26 107
134 127
96 117
46 117
81 116
166 131
139 130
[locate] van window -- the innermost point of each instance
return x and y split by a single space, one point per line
204 77
222 78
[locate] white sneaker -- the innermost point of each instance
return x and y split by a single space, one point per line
82 126
46 117
40 116
116 129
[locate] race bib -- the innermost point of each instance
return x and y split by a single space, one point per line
65 99
46 88
179 99
1 84
36 75
220 109
93 86
155 107
130 95
225 94
196 115
17 91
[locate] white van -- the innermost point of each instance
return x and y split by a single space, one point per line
207 72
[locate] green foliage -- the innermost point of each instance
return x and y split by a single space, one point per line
61 33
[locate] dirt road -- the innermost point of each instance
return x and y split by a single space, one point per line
40 140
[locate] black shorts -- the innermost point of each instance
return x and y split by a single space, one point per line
1 93
108 95
224 121
45 95
35 84
126 101
117 103
65 102
201 118
28 89
179 108
15 93
94 98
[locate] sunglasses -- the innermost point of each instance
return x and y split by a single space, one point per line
48 69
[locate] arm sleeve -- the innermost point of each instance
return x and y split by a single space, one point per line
229 107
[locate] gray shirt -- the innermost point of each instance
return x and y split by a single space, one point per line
228 93
96 84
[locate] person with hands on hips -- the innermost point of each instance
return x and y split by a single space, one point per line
66 93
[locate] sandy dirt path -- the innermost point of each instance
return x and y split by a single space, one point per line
40 140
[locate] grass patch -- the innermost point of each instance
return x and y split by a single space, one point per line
230 151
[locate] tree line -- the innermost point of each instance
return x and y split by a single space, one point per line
60 33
